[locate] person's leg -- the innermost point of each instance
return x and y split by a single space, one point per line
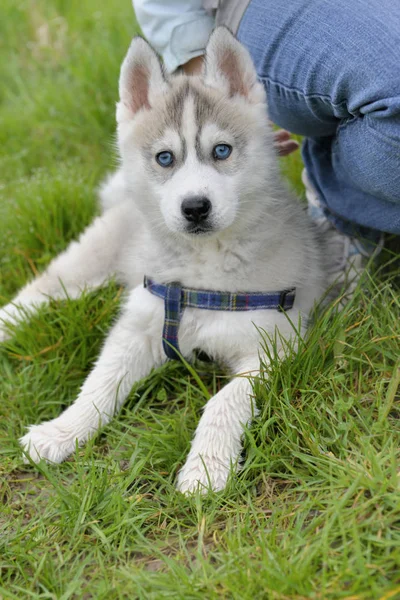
332 73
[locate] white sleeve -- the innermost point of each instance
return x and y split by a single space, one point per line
177 29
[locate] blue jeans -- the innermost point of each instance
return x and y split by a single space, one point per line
331 70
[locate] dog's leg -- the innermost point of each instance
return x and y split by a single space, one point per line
132 349
217 443
86 264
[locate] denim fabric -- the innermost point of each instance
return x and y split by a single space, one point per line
331 69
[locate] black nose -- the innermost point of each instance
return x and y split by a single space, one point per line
196 209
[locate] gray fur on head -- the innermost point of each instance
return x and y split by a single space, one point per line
228 67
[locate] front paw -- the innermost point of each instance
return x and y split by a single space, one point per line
203 474
48 441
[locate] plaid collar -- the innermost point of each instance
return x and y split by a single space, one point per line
176 298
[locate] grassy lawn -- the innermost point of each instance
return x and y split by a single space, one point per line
315 512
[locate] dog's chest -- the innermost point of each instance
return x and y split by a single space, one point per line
216 267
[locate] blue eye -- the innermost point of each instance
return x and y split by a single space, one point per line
165 159
222 151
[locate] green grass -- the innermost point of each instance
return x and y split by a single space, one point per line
315 513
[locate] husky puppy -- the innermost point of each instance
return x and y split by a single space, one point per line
198 200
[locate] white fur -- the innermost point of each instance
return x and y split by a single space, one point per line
262 241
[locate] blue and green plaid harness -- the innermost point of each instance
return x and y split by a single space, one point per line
176 298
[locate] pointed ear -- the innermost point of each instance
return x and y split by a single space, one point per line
141 79
228 66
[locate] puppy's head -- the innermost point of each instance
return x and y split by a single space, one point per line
194 149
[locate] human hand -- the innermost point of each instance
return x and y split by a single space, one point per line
284 144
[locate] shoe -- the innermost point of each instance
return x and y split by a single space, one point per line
347 256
